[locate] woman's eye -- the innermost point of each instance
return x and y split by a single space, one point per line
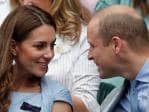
40 46
44 45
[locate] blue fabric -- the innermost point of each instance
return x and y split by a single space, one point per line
28 107
133 97
51 91
141 89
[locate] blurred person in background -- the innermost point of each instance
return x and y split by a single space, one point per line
141 6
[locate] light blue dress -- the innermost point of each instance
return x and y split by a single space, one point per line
51 91
105 3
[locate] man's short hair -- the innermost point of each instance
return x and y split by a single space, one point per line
130 28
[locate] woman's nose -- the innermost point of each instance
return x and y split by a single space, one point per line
49 53
25 2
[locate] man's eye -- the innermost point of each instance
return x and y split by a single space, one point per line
92 46
52 45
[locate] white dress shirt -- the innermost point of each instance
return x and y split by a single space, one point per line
71 67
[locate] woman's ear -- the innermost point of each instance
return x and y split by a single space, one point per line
13 47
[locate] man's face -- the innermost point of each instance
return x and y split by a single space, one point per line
102 55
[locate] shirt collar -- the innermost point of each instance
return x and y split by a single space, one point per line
143 74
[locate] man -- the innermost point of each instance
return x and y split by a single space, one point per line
120 46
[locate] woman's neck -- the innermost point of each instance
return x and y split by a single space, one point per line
25 82
26 85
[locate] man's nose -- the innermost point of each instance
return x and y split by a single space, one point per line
90 57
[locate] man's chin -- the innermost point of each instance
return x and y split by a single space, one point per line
104 76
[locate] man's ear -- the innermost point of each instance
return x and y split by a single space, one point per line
13 46
117 43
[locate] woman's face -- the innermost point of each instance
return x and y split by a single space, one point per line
43 4
34 53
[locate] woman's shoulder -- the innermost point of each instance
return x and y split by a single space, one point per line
54 89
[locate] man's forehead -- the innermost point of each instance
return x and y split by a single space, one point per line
116 9
93 25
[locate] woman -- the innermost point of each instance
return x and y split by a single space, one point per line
70 65
27 39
